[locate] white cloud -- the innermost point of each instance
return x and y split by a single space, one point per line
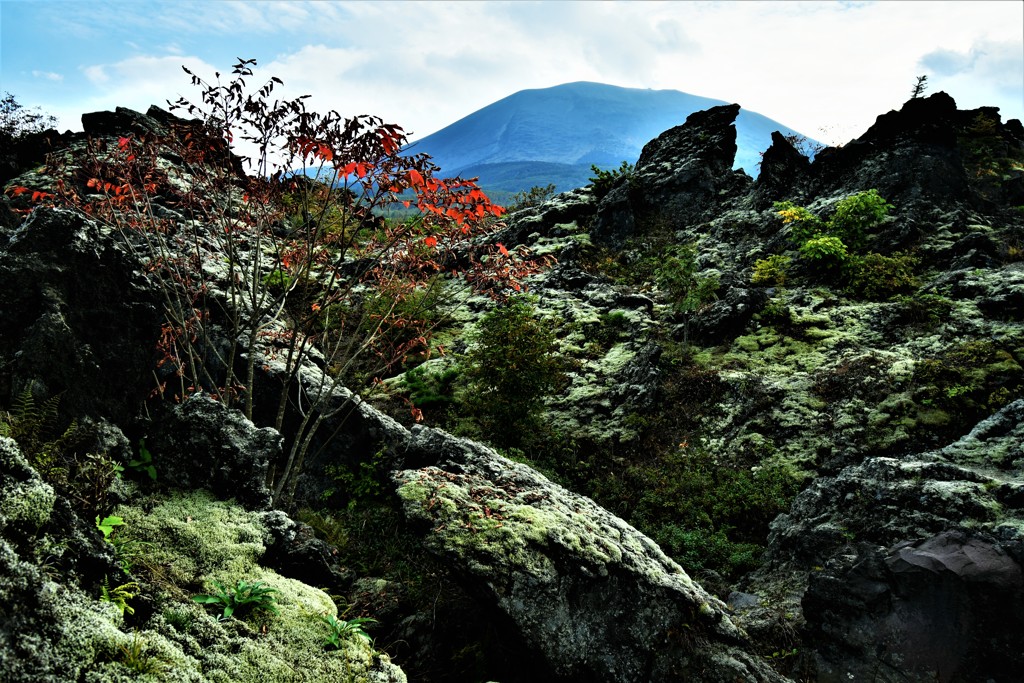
135 83
423 65
47 75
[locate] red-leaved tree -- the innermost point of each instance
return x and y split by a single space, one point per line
292 264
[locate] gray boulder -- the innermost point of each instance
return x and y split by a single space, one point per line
596 598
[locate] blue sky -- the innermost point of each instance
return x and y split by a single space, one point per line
824 68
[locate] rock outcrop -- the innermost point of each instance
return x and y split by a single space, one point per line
900 560
599 600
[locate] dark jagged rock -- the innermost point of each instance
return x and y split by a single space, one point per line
296 552
120 122
71 290
944 608
203 444
783 168
679 177
18 155
729 316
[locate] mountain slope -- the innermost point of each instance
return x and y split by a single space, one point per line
534 137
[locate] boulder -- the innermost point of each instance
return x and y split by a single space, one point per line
201 443
913 564
598 600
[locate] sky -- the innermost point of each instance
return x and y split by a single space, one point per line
826 69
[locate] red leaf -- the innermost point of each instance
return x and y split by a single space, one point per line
15 191
415 179
502 249
325 153
123 142
430 241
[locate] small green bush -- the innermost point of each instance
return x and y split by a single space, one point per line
243 595
825 251
511 367
677 276
771 271
535 196
853 218
877 278
707 513
804 224
856 215
430 390
603 180
922 310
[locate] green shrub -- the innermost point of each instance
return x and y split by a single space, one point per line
771 271
825 251
677 276
922 310
856 215
877 278
535 196
969 381
603 180
805 224
707 513
853 218
430 390
511 367
607 331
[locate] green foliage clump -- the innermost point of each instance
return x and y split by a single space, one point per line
603 181
394 319
922 310
825 251
803 224
434 391
119 595
535 196
856 215
342 629
969 381
876 277
607 330
827 244
511 367
359 482
135 656
688 292
705 513
244 595
771 271
57 453
277 281
678 277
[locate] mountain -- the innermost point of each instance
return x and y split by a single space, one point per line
553 135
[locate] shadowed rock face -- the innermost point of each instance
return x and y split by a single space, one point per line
599 600
680 178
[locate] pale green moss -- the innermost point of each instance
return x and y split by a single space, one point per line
193 536
30 501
